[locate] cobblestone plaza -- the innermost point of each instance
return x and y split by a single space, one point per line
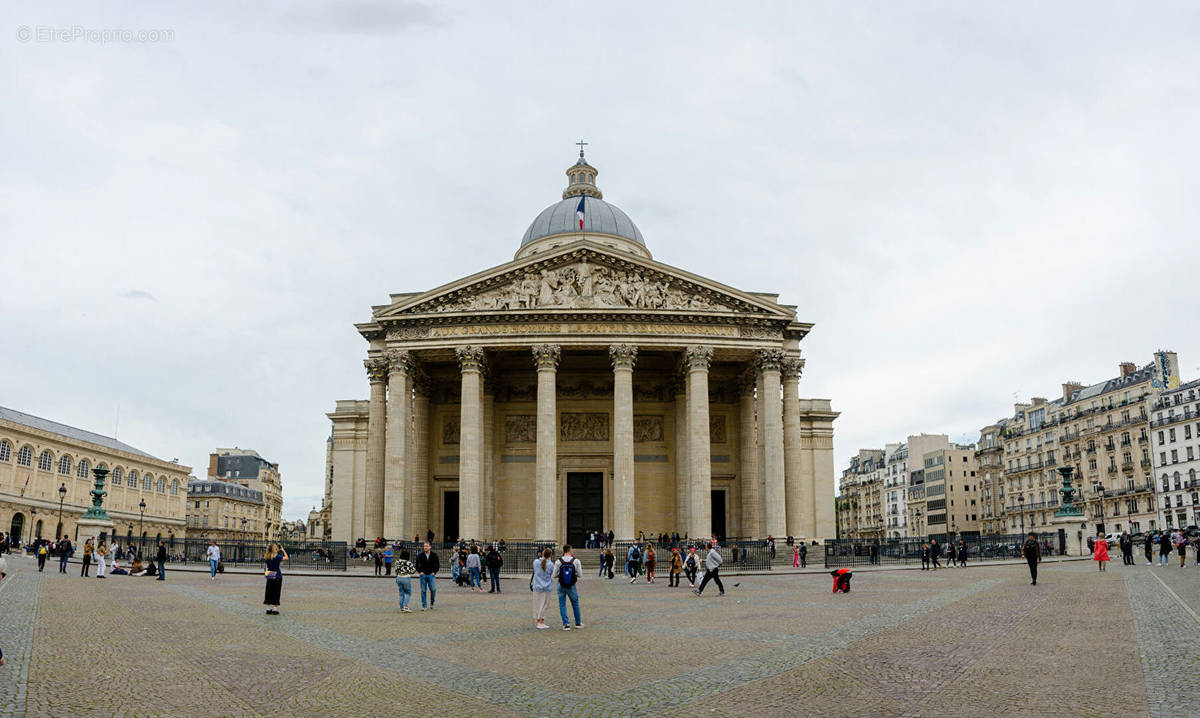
958 642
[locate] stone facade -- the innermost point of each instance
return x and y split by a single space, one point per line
38 456
246 468
224 511
1175 434
582 386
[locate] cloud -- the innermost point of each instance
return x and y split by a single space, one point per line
137 294
366 18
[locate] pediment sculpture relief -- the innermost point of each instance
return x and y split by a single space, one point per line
581 286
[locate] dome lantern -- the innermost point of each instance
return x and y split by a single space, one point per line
581 178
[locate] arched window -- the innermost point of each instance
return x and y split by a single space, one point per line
1166 483
46 460
147 482
84 470
1192 477
25 456
133 479
161 485
175 487
64 465
117 475
5 451
1178 483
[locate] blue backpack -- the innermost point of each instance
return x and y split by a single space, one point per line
566 574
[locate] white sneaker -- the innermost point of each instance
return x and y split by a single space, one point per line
566 628
541 626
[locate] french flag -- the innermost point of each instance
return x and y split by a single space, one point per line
579 211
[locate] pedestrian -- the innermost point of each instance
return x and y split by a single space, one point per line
1100 552
1033 555
803 555
214 559
567 570
388 555
427 566
162 561
675 569
712 565
1181 547
1148 546
795 557
405 570
64 552
43 552
101 553
650 562
925 557
1164 548
611 537
87 557
633 560
962 553
690 565
610 560
494 562
275 557
1126 549
540 584
3 566
473 568
935 552
951 554
378 556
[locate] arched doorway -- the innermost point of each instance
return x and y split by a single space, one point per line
37 529
17 528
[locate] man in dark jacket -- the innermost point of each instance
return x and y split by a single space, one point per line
935 552
493 562
427 565
1126 549
162 561
1033 555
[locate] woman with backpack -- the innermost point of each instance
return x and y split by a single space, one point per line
473 568
540 583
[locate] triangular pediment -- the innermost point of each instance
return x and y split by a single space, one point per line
583 276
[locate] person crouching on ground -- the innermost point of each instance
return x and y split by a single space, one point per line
567 571
841 580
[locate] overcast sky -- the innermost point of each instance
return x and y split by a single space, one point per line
970 202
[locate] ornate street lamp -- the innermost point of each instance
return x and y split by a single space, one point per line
62 495
141 534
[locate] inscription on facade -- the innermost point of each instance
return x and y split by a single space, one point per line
647 428
520 429
619 328
583 427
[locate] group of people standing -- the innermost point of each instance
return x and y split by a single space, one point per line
931 554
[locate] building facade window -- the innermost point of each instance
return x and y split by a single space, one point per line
5 451
46 460
147 482
117 476
161 485
133 477
64 465
84 469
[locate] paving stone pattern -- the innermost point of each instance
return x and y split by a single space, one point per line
976 641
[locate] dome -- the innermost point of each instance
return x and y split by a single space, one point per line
561 220
599 217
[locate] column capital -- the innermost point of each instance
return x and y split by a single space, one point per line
768 359
546 356
399 360
470 358
792 368
623 356
697 358
377 369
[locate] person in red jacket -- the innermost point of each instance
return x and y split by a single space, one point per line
1100 552
841 580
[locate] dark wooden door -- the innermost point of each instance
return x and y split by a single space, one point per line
585 505
718 513
450 517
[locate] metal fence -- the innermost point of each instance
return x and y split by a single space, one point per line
326 555
843 553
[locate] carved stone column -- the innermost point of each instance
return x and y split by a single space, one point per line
546 357
797 489
470 442
623 357
418 455
752 504
775 496
395 470
697 360
683 460
488 515
372 500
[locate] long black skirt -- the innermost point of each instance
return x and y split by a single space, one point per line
274 586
